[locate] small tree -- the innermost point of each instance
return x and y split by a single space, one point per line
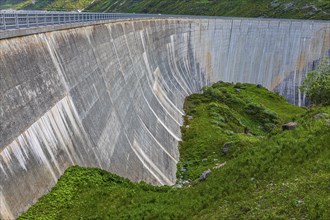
316 84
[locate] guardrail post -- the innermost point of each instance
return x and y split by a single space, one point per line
4 21
16 21
27 20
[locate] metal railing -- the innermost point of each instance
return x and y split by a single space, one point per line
27 19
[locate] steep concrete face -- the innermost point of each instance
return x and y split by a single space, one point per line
111 95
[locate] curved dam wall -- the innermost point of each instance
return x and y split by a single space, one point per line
111 95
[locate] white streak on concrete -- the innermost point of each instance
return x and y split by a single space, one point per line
149 165
161 122
42 142
5 212
159 144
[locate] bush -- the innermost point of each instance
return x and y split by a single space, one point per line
316 84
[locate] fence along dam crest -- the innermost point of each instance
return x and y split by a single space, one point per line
110 95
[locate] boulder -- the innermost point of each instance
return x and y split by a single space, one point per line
184 182
205 174
217 166
321 115
179 186
226 147
289 126
274 3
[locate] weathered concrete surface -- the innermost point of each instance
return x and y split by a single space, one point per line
111 95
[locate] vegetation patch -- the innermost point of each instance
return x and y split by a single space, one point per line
316 84
299 9
236 163
302 9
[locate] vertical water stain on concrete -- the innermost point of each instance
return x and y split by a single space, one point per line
310 47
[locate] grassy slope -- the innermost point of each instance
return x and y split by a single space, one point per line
269 173
10 3
57 5
302 9
240 8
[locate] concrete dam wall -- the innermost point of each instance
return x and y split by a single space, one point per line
111 95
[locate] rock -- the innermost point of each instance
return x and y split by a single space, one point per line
190 117
229 132
183 169
259 86
217 166
288 6
205 174
328 121
321 115
187 126
226 147
300 202
311 8
204 160
237 90
274 3
289 126
179 186
184 182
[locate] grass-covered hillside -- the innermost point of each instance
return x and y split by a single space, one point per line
258 171
52 5
303 9
300 9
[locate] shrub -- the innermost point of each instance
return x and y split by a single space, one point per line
316 84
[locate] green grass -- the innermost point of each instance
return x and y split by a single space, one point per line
306 9
298 9
266 173
51 5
